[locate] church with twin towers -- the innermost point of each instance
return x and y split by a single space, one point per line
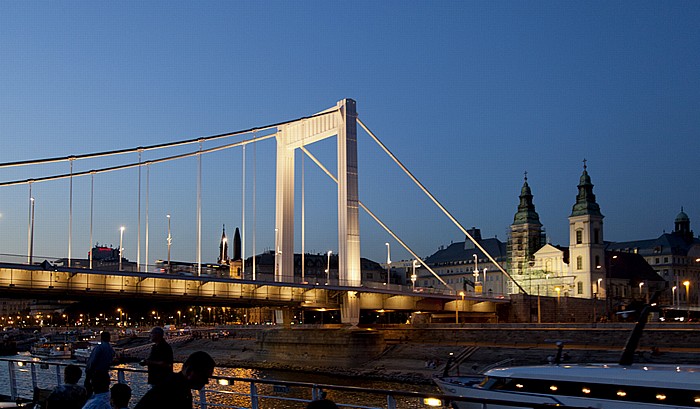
590 267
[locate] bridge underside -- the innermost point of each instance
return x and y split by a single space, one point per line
80 284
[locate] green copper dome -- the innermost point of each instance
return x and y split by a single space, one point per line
585 199
526 209
682 217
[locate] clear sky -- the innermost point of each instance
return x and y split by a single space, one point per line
468 95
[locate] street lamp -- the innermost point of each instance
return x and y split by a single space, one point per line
388 263
457 308
31 232
170 241
121 248
640 289
328 267
598 289
121 321
414 277
673 300
179 317
484 285
686 283
558 290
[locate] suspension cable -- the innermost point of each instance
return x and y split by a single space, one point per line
133 165
437 203
159 146
384 226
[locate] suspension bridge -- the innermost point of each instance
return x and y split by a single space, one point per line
242 282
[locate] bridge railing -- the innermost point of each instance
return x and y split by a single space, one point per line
21 378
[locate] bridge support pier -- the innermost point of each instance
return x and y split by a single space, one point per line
350 308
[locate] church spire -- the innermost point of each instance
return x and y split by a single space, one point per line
585 199
223 248
526 209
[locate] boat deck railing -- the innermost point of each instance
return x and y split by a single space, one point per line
24 377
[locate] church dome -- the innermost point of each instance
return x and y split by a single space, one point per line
682 217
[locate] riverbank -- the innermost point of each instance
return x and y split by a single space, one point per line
418 362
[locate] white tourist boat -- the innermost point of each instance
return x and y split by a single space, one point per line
52 350
608 386
597 385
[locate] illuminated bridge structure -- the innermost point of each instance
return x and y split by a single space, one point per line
346 292
37 281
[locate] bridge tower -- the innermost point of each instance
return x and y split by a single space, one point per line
341 121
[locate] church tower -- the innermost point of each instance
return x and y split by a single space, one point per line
586 248
526 235
223 248
682 226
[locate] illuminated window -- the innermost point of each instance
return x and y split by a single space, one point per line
579 236
661 396
553 388
586 391
621 393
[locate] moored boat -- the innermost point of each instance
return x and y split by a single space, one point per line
609 386
52 350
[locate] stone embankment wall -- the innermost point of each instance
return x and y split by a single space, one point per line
336 347
594 336
354 347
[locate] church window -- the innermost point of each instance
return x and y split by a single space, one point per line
579 236
579 263
597 262
596 236
579 287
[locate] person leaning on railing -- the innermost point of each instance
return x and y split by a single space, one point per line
175 391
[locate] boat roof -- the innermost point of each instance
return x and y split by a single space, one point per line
654 375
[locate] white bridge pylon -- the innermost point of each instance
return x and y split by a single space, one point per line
340 121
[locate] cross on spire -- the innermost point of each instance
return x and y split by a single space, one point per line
584 163
526 176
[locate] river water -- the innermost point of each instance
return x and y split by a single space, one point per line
232 394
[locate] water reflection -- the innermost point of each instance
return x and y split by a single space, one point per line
235 394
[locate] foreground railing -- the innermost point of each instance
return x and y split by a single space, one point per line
23 378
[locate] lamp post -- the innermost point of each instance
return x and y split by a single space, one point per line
484 285
673 300
170 241
121 248
457 307
121 322
640 289
328 267
558 290
686 283
414 277
388 263
31 232
179 317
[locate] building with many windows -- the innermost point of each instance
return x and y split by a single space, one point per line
674 256
464 267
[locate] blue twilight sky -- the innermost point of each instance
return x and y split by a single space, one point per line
468 95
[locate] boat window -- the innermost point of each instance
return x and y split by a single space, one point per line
665 396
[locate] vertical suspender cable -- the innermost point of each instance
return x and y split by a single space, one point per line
92 199
138 223
255 209
70 213
303 217
29 227
243 217
148 179
199 210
